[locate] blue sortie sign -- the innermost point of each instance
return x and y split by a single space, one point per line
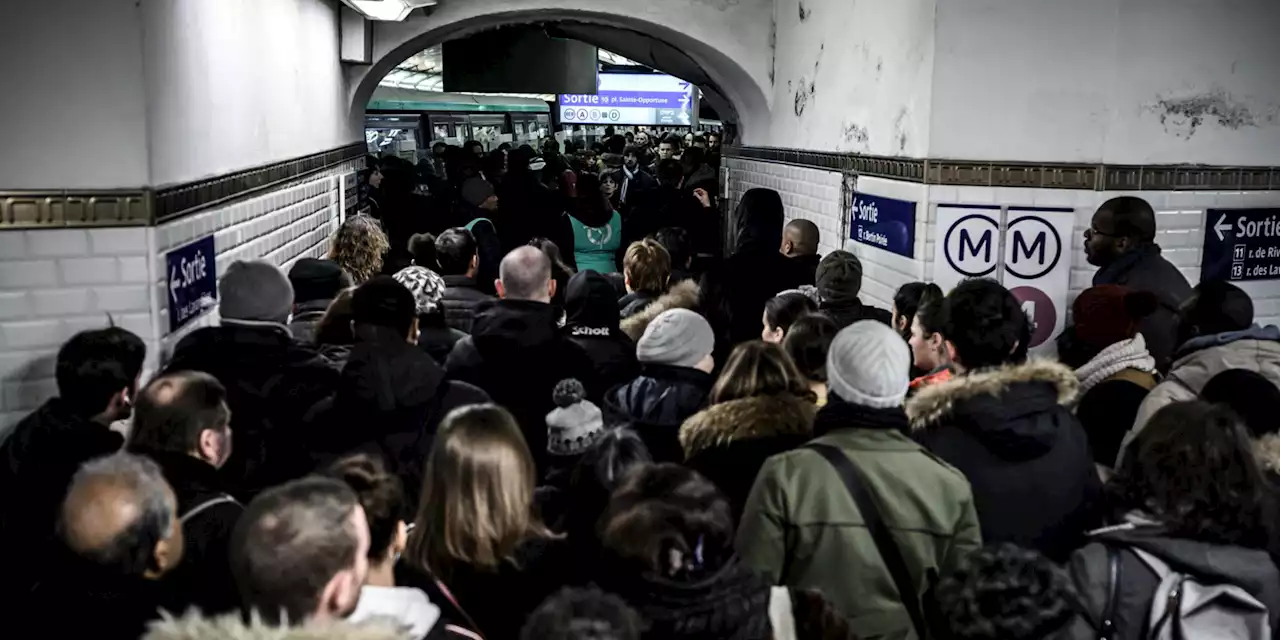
884 223
1241 244
193 281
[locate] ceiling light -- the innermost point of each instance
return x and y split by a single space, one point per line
390 10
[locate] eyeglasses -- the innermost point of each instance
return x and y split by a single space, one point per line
1090 232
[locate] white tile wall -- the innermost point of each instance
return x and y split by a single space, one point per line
816 195
57 282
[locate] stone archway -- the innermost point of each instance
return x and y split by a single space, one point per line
728 40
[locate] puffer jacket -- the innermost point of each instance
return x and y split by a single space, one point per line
657 403
802 529
729 442
462 297
1010 432
1255 349
1251 569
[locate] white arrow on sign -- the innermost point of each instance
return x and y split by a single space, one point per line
175 283
1222 226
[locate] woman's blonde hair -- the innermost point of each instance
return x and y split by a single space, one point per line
358 247
758 368
477 493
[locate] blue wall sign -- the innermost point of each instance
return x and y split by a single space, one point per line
1241 244
193 281
884 223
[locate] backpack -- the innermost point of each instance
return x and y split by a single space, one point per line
1187 606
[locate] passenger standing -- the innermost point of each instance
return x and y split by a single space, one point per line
803 528
596 228
119 535
760 406
333 333
97 376
675 380
1189 497
1005 424
271 381
1115 370
459 260
591 322
800 241
1005 592
929 354
181 421
516 352
476 530
389 385
646 272
315 284
839 281
1120 241
807 344
1216 333
782 311
573 427
757 271
435 336
1254 399
359 246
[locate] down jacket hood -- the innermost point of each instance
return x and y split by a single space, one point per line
684 295
746 419
760 217
1009 409
232 627
1256 349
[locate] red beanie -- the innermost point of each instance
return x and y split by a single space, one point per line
1106 314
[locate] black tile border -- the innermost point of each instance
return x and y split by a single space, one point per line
1040 175
176 201
63 208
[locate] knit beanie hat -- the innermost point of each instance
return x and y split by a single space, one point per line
575 424
869 365
677 337
839 277
1109 313
426 286
315 279
255 291
476 190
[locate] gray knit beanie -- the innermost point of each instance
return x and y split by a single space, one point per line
869 365
677 337
839 277
255 291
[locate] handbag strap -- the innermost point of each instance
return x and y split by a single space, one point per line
890 553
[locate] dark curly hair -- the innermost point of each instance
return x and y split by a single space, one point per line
583 614
1193 469
1005 592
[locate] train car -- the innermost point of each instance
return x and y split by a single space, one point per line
406 122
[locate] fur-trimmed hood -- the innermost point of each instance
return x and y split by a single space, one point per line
683 295
747 418
936 402
232 627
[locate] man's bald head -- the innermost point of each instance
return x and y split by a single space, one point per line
800 238
120 514
525 274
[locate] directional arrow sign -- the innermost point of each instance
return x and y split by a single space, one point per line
175 284
1222 226
193 281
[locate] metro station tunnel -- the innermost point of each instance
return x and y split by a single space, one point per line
151 149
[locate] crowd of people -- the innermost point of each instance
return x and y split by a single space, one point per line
522 403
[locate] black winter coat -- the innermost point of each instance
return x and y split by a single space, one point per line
271 383
436 339
1025 455
846 314
728 442
591 322
390 403
462 296
657 403
517 355
84 600
208 516
37 462
757 271
1144 269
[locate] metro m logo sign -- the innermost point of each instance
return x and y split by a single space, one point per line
1034 247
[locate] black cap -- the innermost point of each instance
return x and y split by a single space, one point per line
314 279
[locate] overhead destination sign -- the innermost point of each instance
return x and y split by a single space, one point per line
1241 244
631 98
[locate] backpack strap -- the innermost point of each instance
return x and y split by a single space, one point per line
890 553
207 504
1107 630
